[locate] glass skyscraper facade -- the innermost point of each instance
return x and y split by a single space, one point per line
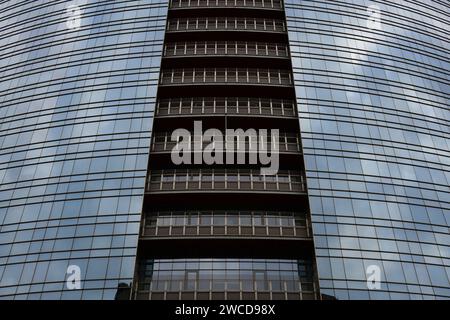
374 112
76 105
90 91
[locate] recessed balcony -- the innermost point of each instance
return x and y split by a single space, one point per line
225 279
209 24
221 106
226 76
287 143
224 180
253 4
226 48
236 224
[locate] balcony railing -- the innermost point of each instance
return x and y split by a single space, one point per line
288 143
225 106
211 48
226 223
224 180
266 4
226 24
240 76
238 279
208 289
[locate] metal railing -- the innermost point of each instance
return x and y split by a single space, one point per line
226 75
226 23
226 106
266 4
207 48
224 179
227 223
235 289
288 142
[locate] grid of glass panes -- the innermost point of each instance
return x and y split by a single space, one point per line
373 101
75 125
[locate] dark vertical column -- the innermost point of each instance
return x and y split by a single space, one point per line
208 227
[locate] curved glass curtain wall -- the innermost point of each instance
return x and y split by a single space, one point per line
76 110
374 116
